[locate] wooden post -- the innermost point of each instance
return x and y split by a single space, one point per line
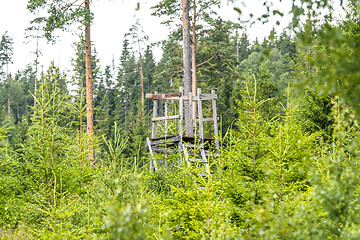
189 125
200 114
216 129
152 161
181 122
181 113
153 130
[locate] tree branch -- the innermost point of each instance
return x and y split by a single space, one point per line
198 65
208 59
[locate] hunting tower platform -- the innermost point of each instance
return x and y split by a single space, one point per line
167 134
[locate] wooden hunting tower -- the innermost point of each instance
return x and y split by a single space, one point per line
168 138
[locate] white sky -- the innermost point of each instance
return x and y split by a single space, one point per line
112 19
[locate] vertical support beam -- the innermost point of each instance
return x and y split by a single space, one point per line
165 136
181 113
203 156
201 132
152 158
181 122
155 108
216 128
200 114
189 125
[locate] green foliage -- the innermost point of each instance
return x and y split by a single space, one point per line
277 67
190 206
267 163
53 173
6 51
124 214
331 53
289 168
60 15
126 222
314 114
328 209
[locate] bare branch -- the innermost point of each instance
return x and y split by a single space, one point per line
208 59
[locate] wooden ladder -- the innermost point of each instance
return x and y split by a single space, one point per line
152 144
200 155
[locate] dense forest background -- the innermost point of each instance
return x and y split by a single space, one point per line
288 110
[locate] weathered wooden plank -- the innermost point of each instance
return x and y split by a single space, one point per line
191 139
197 146
211 153
205 96
185 98
165 118
167 137
163 150
168 141
165 96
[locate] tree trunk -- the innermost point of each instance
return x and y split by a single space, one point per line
89 87
142 79
194 80
142 85
8 88
36 68
187 66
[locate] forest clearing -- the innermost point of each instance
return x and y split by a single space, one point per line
223 137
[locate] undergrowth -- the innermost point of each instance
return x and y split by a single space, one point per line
275 182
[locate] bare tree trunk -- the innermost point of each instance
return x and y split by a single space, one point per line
36 68
89 87
142 80
8 86
142 85
194 79
187 66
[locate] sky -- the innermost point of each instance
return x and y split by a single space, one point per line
112 19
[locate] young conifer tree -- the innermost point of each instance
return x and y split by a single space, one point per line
64 13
